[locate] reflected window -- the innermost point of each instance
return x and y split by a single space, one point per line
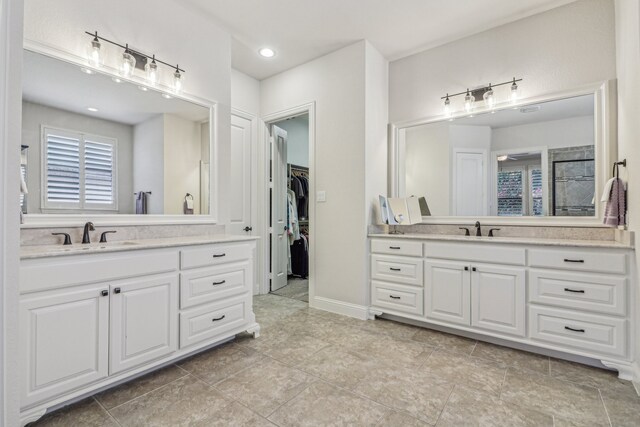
79 170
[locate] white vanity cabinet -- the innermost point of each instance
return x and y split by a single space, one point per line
88 321
560 298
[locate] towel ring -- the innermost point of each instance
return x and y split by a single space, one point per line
616 171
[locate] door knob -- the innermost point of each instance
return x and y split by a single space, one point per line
248 229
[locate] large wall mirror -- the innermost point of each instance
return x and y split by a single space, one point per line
95 144
543 158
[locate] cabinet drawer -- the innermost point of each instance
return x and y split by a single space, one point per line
208 255
215 283
588 332
408 299
578 260
397 269
207 322
396 247
602 294
475 252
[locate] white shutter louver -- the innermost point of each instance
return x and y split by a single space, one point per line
80 171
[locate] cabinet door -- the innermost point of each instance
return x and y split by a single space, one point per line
498 299
63 340
447 293
144 321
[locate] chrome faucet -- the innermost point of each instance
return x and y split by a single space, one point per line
85 236
478 229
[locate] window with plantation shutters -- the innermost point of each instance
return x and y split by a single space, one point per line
79 171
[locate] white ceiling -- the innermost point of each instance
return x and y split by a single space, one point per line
62 85
302 30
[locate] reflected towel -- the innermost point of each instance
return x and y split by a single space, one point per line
607 190
23 186
616 209
141 203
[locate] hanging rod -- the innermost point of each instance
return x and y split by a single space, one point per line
95 34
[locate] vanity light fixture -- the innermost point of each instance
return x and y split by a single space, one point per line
485 93
94 52
267 52
127 64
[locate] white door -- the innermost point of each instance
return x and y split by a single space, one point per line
469 183
279 237
241 175
63 341
144 321
447 291
498 299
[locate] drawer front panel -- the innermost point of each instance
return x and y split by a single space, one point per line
408 299
397 269
396 247
476 252
204 323
578 260
211 284
210 255
587 332
602 294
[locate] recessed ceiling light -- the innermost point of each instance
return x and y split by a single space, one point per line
166 95
143 88
116 79
267 52
86 70
92 109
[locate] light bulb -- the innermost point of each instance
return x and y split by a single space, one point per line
94 52
468 102
514 91
447 106
489 98
151 68
178 80
128 63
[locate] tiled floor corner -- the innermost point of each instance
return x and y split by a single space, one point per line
313 368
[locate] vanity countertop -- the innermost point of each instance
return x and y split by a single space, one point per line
45 251
509 240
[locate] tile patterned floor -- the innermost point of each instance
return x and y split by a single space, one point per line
296 288
313 368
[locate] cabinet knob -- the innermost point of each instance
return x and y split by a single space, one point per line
466 268
104 293
218 318
248 229
474 269
116 291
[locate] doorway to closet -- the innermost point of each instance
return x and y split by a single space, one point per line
290 207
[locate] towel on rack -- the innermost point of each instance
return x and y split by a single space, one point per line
616 209
141 203
188 204
607 190
23 185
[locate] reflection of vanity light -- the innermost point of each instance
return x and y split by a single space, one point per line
178 80
530 109
94 52
116 79
92 109
447 106
166 96
468 102
151 68
489 98
143 88
502 158
514 91
86 70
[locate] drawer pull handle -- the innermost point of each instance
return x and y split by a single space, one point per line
573 260
395 269
218 318
219 283
219 255
568 328
104 293
394 247
394 297
575 291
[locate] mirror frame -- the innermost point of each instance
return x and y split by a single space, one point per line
605 135
75 220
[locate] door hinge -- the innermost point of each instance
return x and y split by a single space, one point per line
270 184
270 276
270 230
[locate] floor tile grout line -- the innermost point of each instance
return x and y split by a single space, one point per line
606 411
105 410
151 391
504 380
445 404
289 400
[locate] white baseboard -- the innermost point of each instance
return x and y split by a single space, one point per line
340 307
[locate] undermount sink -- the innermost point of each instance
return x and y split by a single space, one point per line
95 246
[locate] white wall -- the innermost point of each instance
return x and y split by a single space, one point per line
182 149
148 162
427 166
628 66
297 140
337 85
245 93
555 50
34 116
572 132
61 24
10 130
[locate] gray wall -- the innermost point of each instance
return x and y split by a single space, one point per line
34 116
